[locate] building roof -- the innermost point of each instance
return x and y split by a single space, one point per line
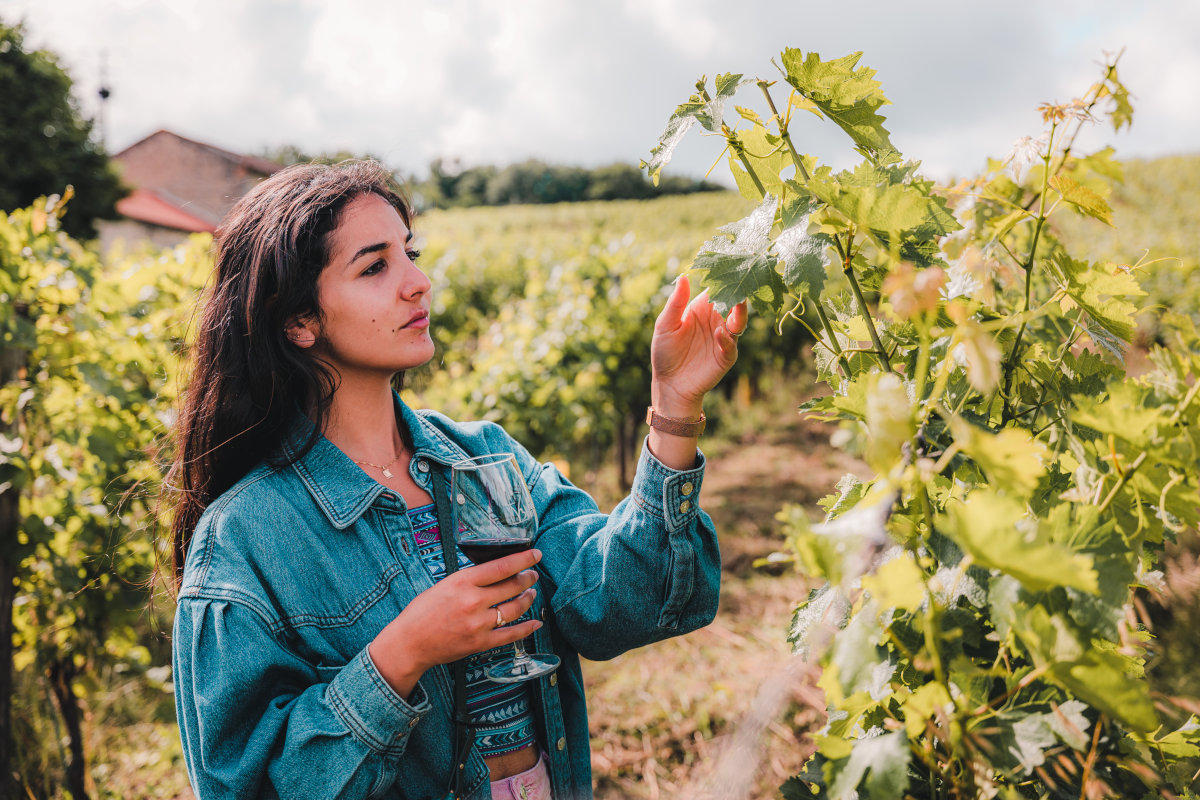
144 205
261 165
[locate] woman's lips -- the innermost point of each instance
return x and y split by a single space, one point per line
419 320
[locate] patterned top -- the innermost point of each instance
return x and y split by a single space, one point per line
499 712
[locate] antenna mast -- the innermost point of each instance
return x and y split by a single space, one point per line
104 93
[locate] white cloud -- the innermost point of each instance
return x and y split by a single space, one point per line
593 83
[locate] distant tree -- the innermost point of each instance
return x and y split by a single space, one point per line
619 182
45 142
288 154
450 185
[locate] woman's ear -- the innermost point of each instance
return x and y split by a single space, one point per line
302 331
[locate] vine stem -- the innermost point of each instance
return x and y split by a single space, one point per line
1011 362
736 145
833 342
783 131
1121 481
847 256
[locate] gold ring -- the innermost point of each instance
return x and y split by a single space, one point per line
499 617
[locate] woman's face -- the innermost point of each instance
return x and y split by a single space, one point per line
374 300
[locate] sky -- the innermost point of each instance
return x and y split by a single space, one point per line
591 83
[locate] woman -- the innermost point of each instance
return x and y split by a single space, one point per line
315 621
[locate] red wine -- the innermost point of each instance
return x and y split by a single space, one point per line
483 550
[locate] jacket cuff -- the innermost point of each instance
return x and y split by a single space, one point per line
372 710
669 493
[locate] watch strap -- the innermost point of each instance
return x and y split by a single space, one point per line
675 426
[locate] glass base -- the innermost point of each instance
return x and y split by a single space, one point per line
515 670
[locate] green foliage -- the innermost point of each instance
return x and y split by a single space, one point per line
45 143
90 349
977 632
536 182
543 316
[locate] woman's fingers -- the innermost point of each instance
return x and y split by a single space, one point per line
493 572
677 303
737 320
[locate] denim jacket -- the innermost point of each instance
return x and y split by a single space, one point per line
293 572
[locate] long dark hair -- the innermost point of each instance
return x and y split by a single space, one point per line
248 381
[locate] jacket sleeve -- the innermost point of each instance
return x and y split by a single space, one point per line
258 721
649 570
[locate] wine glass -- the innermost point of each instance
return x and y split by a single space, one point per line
494 517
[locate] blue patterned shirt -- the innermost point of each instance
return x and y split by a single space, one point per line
499 712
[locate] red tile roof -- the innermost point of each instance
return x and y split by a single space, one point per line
144 205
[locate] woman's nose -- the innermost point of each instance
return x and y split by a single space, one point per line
416 282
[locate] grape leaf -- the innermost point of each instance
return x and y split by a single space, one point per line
708 113
1103 680
1069 723
897 583
879 764
802 255
986 527
1011 457
1100 292
848 96
738 265
1084 199
1024 739
892 203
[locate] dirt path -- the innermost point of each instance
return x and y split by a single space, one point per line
664 717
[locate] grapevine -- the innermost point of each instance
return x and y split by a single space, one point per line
977 629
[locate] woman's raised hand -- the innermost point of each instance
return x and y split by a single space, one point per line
692 349
456 618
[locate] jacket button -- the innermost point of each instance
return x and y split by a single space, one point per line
423 465
687 488
561 743
685 506
412 723
554 679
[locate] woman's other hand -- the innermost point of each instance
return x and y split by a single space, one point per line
692 349
457 618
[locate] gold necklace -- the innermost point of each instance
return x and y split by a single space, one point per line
387 472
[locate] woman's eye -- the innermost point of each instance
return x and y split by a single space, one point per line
375 268
413 255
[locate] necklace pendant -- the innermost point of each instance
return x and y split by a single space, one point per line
387 473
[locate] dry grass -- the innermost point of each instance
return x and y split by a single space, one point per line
725 711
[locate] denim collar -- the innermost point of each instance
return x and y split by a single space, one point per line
342 490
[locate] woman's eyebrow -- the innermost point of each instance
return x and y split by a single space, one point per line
366 250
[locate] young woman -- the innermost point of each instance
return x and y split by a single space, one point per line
316 619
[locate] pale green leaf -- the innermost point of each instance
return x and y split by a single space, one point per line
996 532
878 766
890 422
1011 457
1070 724
709 113
737 263
849 97
803 258
1088 202
1101 290
1105 681
897 583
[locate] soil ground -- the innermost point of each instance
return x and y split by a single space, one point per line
726 711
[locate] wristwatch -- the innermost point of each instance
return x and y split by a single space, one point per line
675 426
